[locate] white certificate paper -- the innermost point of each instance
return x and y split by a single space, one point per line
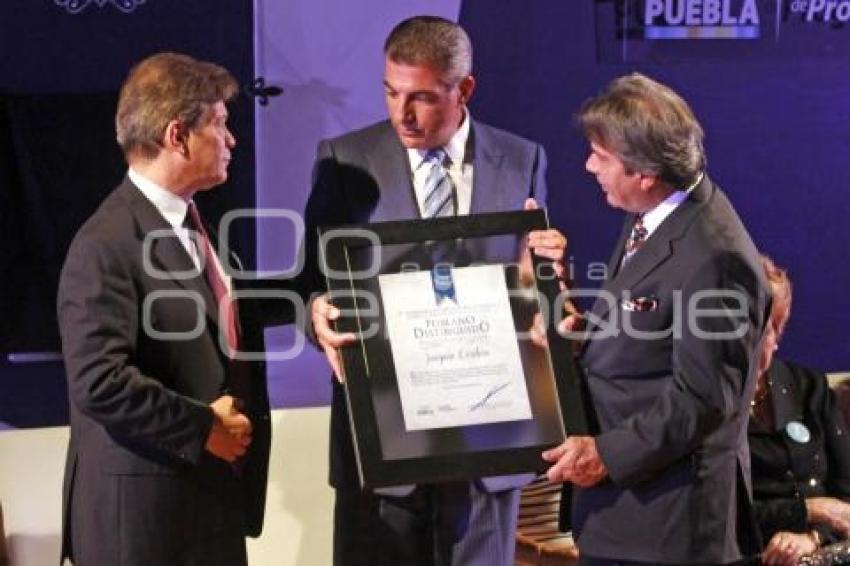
456 358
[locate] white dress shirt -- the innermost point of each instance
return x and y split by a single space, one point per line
653 218
174 209
459 168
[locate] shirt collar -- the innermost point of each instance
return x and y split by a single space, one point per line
455 149
172 207
653 218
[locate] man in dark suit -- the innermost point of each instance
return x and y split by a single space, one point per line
672 347
385 172
170 433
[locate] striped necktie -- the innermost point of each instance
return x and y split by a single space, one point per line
438 189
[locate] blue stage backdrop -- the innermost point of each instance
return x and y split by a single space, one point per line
768 79
61 64
775 108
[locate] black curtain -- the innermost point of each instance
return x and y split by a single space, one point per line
58 160
59 77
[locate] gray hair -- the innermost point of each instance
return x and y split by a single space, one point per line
431 40
649 127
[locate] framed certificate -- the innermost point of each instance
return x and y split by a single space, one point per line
456 373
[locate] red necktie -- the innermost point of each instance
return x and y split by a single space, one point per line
225 303
238 374
228 313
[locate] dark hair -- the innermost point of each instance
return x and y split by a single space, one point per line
431 40
649 127
162 88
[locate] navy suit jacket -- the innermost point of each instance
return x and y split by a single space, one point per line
364 176
672 408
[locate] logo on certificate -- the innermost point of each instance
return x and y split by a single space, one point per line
443 283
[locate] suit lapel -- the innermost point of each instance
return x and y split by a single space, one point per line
488 193
657 249
617 256
391 169
653 253
166 253
785 395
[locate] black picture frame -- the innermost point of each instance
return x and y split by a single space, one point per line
387 453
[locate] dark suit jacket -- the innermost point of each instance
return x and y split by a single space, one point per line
787 471
673 409
364 176
139 486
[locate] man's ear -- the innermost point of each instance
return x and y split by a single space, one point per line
176 138
648 181
466 86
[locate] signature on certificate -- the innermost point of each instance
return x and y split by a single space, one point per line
487 396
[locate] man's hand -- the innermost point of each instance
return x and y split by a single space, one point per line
786 548
550 244
230 435
537 332
323 313
573 324
829 511
576 461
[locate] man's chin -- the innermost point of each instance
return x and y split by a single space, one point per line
412 141
210 184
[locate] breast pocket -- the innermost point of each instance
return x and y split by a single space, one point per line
646 324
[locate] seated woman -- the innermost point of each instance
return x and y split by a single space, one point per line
800 447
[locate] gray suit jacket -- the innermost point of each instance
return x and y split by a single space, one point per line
139 486
673 408
364 176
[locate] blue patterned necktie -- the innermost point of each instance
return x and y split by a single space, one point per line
636 239
438 189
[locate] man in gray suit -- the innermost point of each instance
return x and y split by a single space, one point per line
671 349
381 173
168 454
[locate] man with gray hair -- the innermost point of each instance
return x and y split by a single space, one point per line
381 173
671 349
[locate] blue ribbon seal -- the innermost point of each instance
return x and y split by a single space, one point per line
443 283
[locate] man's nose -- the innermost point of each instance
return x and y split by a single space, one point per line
408 115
